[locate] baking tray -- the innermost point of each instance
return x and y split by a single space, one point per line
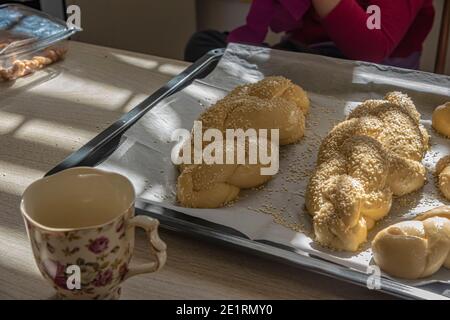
104 144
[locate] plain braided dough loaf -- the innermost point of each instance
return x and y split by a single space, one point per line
21 68
361 164
272 103
415 249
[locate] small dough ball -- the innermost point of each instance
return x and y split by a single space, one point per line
441 119
443 173
401 249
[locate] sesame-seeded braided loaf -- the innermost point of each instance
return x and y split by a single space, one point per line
272 103
415 249
443 174
362 163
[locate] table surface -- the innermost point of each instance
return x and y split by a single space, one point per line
47 116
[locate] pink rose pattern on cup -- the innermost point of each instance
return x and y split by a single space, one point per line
56 271
98 245
106 268
103 278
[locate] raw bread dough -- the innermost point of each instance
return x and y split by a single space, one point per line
415 249
441 119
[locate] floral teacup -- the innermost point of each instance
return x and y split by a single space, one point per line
81 226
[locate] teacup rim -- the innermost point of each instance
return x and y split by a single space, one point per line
53 229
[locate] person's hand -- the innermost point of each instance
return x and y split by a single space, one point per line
324 7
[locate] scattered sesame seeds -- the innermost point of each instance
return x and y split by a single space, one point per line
302 165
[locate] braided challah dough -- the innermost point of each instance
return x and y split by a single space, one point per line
275 87
415 249
443 173
272 103
362 163
21 68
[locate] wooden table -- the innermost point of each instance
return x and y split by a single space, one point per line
47 116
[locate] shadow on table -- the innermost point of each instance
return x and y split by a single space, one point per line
27 137
15 87
20 284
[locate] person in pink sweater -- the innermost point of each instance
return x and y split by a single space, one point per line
337 28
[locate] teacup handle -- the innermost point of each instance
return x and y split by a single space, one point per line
158 247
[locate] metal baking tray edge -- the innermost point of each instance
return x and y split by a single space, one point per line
101 146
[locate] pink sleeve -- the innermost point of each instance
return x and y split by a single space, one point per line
257 26
262 13
347 27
